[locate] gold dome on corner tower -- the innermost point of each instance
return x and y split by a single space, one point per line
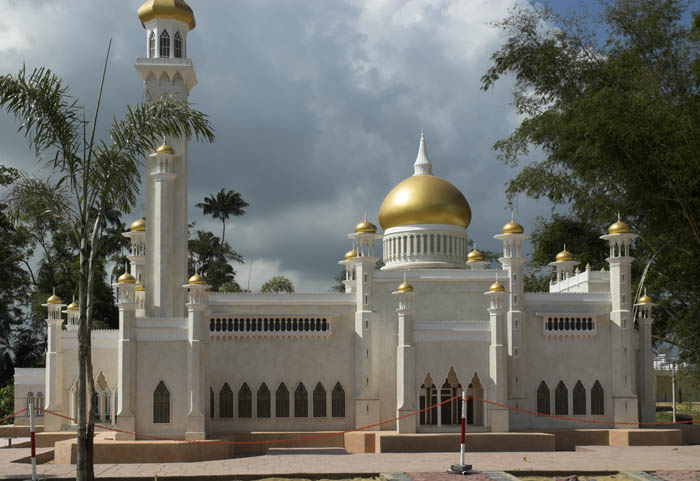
165 149
512 227
138 226
197 280
619 227
476 255
424 199
405 287
365 227
351 254
565 256
496 287
174 9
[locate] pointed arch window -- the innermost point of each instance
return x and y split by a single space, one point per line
164 44
301 402
561 399
245 402
282 402
263 401
543 399
597 399
152 45
319 401
338 401
226 402
161 404
97 406
579 399
178 45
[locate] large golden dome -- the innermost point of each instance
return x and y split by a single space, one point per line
424 199
174 9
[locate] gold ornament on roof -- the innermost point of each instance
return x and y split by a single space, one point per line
165 149
645 299
476 255
351 254
197 280
619 227
140 288
126 278
73 307
138 226
497 287
564 255
405 287
512 227
365 227
54 299
172 9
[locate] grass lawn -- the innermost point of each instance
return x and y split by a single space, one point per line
688 409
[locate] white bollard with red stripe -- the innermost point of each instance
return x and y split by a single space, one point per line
462 468
32 437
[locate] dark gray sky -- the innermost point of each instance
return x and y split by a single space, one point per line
317 105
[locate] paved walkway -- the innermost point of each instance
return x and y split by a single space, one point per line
333 461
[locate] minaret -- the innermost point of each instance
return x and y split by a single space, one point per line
166 71
564 263
624 399
137 260
126 355
366 391
54 356
498 358
197 356
405 361
348 263
647 403
476 260
512 234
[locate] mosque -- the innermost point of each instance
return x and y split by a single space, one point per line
436 319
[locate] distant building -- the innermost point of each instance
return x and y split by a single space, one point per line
685 392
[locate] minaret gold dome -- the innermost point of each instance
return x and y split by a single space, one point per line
138 226
512 227
165 149
365 227
619 227
405 287
54 299
565 256
476 255
645 299
351 254
126 278
197 280
173 9
497 287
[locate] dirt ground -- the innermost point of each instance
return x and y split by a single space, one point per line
612 477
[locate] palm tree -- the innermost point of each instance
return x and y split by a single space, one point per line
97 176
221 206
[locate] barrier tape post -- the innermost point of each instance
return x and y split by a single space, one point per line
462 468
32 437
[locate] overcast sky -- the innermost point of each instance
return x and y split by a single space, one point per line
317 105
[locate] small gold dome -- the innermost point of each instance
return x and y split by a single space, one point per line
165 149
126 278
497 287
174 9
512 227
565 256
73 307
349 255
645 300
197 279
476 255
54 299
138 226
140 288
366 227
619 227
424 199
405 287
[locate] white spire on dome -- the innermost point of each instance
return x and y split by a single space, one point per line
422 165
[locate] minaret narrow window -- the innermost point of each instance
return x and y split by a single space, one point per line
579 399
319 401
226 402
543 399
245 402
282 401
561 400
597 399
263 402
152 45
301 402
338 401
178 45
165 44
161 404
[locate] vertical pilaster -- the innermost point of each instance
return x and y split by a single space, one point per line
498 358
405 361
645 369
53 392
126 356
197 356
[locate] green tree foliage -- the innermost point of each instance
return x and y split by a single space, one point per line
222 205
232 287
211 258
613 124
277 284
7 402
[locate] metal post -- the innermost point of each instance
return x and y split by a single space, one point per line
462 468
32 437
673 389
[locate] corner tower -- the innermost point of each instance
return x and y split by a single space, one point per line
166 71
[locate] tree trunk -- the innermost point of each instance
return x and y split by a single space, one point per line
223 235
82 473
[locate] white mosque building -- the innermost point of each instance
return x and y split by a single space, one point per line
433 321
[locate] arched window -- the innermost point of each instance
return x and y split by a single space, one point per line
282 402
319 401
245 402
226 402
97 406
39 404
543 399
263 402
178 45
152 45
301 402
597 399
211 403
338 401
579 399
561 399
161 404
164 44
446 409
108 408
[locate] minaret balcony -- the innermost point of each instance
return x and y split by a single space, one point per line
179 62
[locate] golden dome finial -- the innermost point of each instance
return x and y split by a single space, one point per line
405 286
564 255
619 227
197 280
54 299
138 225
496 287
126 278
365 227
475 255
351 254
173 9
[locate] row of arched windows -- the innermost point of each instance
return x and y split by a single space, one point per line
561 399
263 402
269 325
164 45
399 246
569 324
